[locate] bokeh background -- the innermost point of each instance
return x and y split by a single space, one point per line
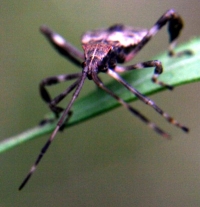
113 159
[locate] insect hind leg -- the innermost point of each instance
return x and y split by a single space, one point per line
175 25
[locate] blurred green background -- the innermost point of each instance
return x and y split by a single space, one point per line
113 159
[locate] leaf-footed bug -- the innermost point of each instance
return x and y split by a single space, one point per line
103 50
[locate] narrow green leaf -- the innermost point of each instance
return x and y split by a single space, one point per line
177 71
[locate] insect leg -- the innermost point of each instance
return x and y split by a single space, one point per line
62 46
55 80
130 108
148 64
146 100
64 117
175 25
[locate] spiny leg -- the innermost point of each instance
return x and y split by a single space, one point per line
55 80
62 46
175 25
152 63
130 108
146 100
65 116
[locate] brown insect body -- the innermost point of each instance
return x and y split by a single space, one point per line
103 50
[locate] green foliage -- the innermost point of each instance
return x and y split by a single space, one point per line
177 71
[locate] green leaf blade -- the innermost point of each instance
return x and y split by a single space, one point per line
177 71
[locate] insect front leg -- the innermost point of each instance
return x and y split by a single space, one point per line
55 80
147 64
175 25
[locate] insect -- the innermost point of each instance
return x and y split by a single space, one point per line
104 50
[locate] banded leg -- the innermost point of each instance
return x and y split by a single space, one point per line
146 100
62 46
65 116
152 63
130 108
55 80
175 25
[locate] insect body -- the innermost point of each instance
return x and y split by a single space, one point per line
104 49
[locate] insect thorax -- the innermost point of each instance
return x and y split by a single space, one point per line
118 40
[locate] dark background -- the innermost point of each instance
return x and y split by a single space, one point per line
113 159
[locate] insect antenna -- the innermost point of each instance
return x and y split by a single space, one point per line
65 116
